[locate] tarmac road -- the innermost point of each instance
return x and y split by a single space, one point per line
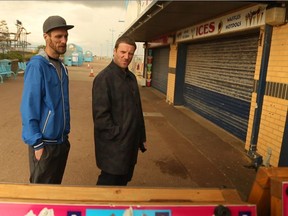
184 150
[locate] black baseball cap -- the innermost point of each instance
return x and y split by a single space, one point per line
53 22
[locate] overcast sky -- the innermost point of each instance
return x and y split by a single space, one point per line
96 22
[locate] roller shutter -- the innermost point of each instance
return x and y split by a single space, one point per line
219 81
160 69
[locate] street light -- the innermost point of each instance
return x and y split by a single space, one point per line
121 21
107 47
112 31
101 50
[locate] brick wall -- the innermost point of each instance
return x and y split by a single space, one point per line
171 74
275 103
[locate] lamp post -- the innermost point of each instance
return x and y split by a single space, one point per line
122 27
100 51
112 31
107 47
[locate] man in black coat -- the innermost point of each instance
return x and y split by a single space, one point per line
119 129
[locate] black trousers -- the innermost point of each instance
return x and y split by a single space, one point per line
117 180
51 166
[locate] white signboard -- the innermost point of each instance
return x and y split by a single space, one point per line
244 19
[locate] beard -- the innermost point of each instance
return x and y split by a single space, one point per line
61 49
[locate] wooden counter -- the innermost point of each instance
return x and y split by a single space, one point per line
176 201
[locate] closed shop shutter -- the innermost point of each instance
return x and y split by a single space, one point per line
160 69
219 81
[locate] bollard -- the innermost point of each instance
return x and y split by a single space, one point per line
91 72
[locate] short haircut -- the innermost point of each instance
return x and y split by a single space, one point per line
126 40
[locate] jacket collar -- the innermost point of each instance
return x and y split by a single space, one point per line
123 73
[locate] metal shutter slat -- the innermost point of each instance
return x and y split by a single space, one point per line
160 69
219 81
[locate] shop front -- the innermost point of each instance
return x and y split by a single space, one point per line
220 58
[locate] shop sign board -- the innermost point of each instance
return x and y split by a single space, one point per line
244 19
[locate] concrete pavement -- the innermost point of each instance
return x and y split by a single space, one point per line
205 154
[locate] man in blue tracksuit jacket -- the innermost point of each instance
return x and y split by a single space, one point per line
45 106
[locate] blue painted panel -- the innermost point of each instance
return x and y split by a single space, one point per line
283 160
229 113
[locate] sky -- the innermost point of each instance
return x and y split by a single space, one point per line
96 22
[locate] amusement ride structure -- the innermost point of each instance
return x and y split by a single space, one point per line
13 41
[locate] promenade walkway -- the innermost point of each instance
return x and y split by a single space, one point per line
184 150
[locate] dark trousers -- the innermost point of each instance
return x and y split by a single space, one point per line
117 180
51 166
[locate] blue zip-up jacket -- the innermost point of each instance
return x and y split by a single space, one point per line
45 103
